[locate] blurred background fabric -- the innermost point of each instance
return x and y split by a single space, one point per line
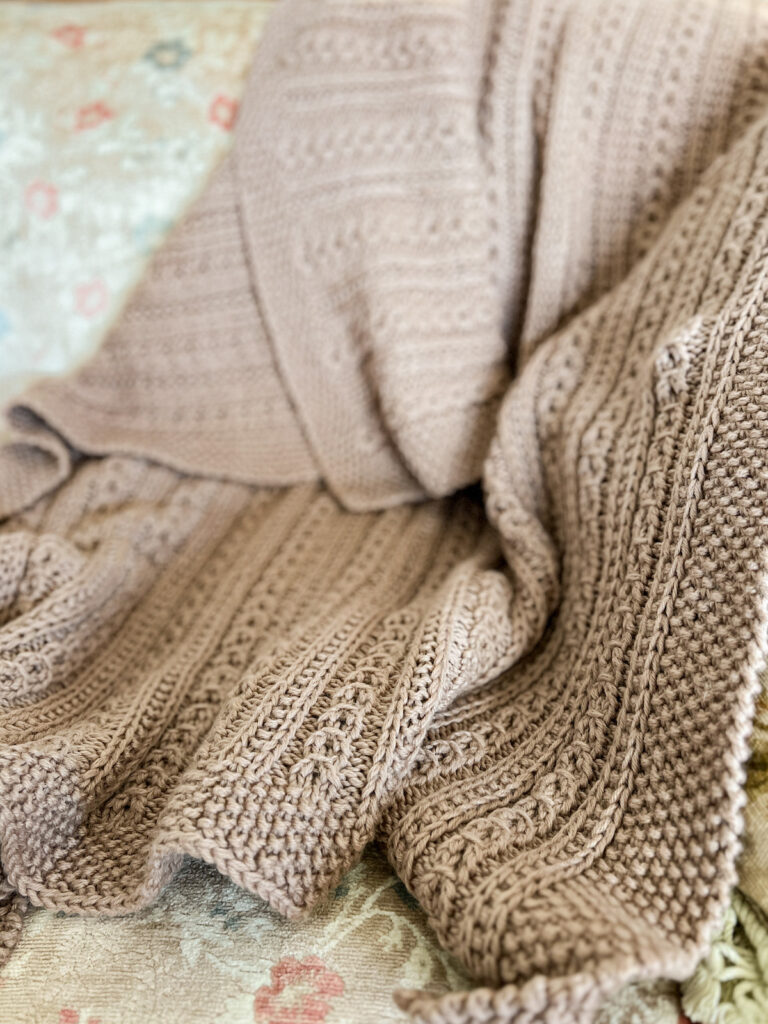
209 952
112 117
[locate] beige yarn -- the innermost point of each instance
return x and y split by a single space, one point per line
540 702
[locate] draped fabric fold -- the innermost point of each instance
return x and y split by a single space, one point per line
253 605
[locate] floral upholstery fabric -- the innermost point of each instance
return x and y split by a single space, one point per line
210 952
112 116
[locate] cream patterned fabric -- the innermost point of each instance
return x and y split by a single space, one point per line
209 952
112 117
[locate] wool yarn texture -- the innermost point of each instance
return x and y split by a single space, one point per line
420 497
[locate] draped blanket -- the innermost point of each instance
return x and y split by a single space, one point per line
256 608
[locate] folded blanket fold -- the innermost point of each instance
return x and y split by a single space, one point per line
252 607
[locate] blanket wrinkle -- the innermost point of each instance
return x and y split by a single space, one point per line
254 608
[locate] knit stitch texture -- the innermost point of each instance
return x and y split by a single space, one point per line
522 241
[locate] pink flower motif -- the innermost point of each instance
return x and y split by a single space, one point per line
42 198
72 36
91 297
300 993
223 112
67 1016
92 115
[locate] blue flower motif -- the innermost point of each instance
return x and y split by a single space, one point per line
168 54
341 891
232 918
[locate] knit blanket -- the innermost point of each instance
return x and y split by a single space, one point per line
254 607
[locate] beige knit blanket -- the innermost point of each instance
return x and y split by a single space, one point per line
253 609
